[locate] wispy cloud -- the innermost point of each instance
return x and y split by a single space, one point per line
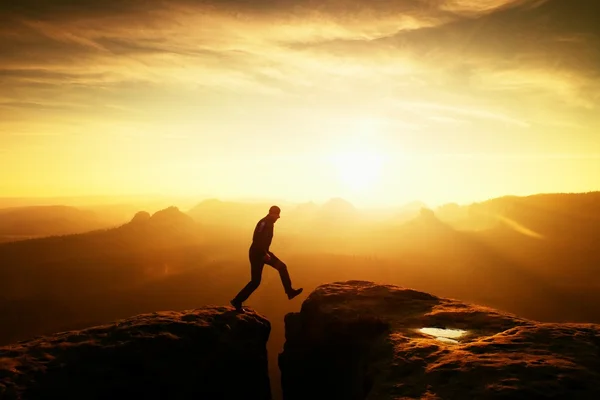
482 7
454 112
448 54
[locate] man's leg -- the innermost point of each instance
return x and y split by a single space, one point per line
256 268
284 275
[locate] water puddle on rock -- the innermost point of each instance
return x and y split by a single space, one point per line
444 335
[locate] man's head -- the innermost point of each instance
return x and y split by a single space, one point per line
274 212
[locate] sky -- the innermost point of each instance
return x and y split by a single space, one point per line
378 102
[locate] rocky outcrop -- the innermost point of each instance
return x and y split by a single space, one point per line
140 217
163 228
171 217
361 340
209 353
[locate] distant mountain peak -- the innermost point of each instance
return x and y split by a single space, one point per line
140 217
171 215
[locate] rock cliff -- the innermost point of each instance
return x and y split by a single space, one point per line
351 340
361 340
210 353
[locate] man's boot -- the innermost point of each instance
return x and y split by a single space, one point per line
237 305
294 292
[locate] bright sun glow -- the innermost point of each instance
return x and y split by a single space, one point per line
357 160
358 169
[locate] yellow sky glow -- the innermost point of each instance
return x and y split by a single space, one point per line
442 101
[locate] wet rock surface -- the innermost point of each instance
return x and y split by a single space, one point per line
361 340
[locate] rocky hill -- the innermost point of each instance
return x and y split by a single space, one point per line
361 340
210 353
351 340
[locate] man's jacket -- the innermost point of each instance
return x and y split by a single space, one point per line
263 235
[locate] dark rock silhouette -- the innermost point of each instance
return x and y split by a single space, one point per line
358 340
167 218
170 217
210 353
170 221
140 217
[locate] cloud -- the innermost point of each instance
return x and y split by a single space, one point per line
32 106
544 48
82 22
439 50
454 112
49 76
83 8
482 7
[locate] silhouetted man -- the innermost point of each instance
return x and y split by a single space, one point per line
260 255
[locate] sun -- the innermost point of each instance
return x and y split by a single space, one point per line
358 169
357 155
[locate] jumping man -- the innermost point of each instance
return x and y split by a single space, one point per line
260 255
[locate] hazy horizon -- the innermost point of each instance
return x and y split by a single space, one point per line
189 201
